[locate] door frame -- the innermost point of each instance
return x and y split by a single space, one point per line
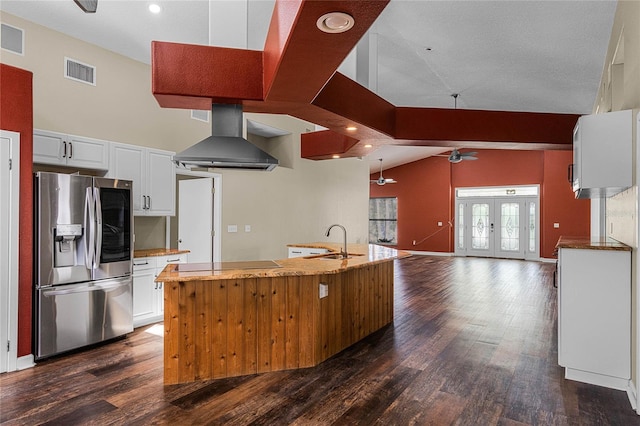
526 194
9 303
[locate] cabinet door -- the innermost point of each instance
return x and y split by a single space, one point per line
145 297
87 153
128 162
161 183
49 148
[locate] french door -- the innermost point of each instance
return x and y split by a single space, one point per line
497 227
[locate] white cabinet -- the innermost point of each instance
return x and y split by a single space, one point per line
594 316
602 154
305 251
148 295
68 150
153 174
145 292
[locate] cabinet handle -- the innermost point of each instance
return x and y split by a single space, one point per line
159 286
173 260
149 204
64 149
140 264
156 286
570 173
296 252
70 150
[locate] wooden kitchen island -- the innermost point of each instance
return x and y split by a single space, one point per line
222 322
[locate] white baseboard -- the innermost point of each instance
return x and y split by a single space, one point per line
25 362
632 395
547 260
596 379
431 253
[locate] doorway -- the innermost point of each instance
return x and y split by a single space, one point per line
498 222
197 224
9 225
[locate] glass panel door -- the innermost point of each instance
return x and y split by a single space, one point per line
481 224
510 236
497 227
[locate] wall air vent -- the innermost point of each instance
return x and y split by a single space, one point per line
12 39
201 115
78 71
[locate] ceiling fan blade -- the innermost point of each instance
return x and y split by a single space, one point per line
88 6
469 158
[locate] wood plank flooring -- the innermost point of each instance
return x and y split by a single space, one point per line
473 342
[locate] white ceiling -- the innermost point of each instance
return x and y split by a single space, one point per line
536 56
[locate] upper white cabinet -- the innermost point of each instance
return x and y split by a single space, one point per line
602 154
153 174
68 150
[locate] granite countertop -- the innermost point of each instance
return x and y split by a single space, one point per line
362 255
157 252
588 244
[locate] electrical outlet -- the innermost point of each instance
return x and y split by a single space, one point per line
556 225
232 228
247 228
324 290
439 223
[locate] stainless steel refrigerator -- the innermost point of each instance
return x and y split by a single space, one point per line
83 261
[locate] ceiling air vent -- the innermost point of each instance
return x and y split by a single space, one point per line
12 39
78 71
201 115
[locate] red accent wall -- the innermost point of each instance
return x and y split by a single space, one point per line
16 114
425 192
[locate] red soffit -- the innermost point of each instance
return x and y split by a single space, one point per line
324 144
190 76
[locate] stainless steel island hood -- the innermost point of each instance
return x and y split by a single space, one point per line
226 148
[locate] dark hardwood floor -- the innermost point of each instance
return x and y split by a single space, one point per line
473 342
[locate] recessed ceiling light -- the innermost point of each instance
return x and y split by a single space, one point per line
154 8
352 128
368 145
335 22
335 156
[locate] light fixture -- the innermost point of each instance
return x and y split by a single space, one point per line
154 8
335 22
352 128
368 145
335 156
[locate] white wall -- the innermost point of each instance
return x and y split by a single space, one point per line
291 204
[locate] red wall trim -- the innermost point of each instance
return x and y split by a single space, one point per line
16 114
316 145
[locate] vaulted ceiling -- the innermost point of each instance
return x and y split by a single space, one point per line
522 69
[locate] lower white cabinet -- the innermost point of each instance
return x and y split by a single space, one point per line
594 316
148 295
305 251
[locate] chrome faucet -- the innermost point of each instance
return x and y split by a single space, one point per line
343 252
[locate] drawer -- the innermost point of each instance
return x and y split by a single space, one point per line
174 258
144 263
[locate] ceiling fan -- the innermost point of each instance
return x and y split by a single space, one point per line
457 156
382 181
88 6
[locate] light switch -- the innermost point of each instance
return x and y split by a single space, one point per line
556 225
247 228
232 228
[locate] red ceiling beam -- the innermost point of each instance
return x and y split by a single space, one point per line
299 58
296 75
193 77
324 144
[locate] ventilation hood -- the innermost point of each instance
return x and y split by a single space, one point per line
226 148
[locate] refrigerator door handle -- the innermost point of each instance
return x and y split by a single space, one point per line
88 229
98 238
